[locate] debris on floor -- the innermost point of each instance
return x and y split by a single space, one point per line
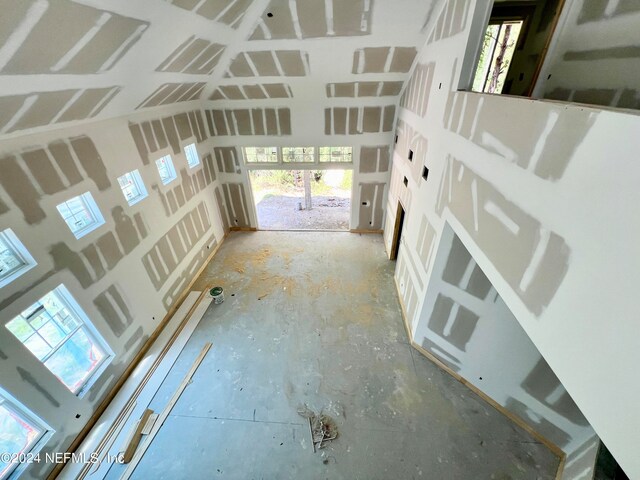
323 428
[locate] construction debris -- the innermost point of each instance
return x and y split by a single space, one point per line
323 428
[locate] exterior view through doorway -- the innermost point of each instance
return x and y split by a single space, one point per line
302 199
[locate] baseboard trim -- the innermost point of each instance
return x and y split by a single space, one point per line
511 416
243 229
134 363
355 230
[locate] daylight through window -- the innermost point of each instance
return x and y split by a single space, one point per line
57 332
81 214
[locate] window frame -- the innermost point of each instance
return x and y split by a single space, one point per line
189 151
138 183
68 302
10 403
170 167
281 163
18 250
91 207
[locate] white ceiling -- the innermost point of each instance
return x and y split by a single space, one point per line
65 61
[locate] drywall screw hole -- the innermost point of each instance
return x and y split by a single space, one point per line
269 14
233 294
77 415
480 378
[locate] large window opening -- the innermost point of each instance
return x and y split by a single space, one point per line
302 199
301 188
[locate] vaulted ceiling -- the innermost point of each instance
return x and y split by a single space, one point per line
72 60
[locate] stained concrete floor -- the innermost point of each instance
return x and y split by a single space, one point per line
314 318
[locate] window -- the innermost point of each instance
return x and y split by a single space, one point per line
261 154
81 214
192 155
132 187
14 257
21 432
58 333
335 154
298 154
166 170
499 45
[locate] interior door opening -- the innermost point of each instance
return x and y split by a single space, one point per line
302 199
397 232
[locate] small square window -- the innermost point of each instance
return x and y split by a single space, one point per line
14 257
59 334
22 433
132 187
192 155
81 214
261 154
425 172
166 170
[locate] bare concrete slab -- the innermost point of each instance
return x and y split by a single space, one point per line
309 319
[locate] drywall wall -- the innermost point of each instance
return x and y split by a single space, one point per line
299 73
596 57
543 195
127 273
465 322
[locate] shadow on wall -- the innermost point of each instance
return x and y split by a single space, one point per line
465 323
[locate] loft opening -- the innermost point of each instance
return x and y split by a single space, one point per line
507 46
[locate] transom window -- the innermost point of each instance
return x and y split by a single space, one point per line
60 335
261 154
275 155
191 153
21 432
81 214
132 187
298 154
335 154
14 257
166 170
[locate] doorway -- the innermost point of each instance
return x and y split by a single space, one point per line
397 232
302 199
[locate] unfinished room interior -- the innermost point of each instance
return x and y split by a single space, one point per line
443 285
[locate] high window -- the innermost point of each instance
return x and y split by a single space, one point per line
132 187
261 154
298 154
59 334
81 214
192 155
499 45
166 169
21 432
335 154
14 257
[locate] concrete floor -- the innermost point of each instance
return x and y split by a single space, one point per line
314 318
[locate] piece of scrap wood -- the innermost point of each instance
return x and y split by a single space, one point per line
165 413
134 441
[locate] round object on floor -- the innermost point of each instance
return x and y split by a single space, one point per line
217 293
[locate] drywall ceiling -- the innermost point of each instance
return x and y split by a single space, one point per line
64 61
